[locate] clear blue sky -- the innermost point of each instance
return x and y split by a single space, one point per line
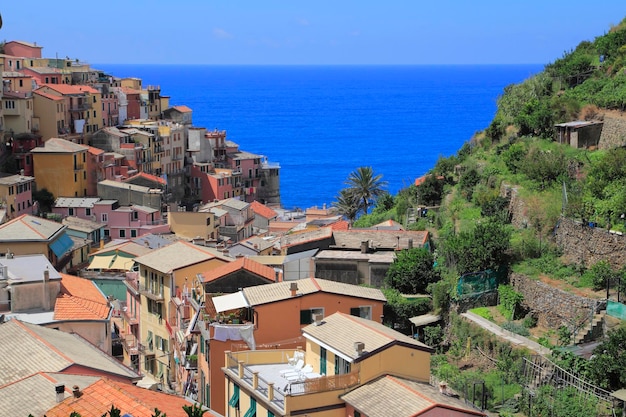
309 32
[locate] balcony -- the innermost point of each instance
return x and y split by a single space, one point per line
80 107
151 294
131 345
132 282
260 371
129 316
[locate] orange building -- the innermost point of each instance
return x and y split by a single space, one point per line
273 315
60 167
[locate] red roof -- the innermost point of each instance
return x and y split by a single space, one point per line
263 210
48 96
183 109
419 181
340 225
95 151
80 299
147 176
254 267
99 397
70 89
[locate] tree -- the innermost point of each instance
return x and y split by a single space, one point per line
608 363
484 247
429 192
45 200
412 271
347 204
194 411
366 186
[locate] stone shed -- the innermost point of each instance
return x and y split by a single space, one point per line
579 133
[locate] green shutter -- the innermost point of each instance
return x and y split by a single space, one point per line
306 317
252 410
337 372
322 361
356 311
201 344
234 400
270 414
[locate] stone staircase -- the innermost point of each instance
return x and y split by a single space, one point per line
591 330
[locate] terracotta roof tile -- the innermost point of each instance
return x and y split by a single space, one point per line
239 264
80 299
340 225
183 109
48 96
263 210
98 398
148 177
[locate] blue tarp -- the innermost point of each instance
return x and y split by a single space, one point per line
61 245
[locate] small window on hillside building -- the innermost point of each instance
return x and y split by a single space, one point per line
306 316
363 312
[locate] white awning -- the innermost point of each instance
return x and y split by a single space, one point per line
192 324
425 319
230 302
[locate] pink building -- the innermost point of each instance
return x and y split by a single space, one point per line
81 207
95 170
22 49
127 222
110 110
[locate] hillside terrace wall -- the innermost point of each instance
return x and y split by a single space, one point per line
584 245
552 306
613 133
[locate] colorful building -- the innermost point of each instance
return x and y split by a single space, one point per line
60 168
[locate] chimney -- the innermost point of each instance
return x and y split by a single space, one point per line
46 290
293 288
277 271
358 348
317 319
76 391
5 272
364 246
60 391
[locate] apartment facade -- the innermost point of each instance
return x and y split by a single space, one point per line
60 167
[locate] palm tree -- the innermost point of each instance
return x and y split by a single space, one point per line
347 204
366 186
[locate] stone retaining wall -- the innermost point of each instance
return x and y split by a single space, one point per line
486 299
613 133
584 245
554 307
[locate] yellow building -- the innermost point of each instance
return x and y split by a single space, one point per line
60 168
193 225
344 354
165 279
49 115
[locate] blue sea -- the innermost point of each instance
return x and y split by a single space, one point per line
322 122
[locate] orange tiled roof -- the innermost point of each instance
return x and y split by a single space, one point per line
254 267
48 96
263 210
80 299
65 88
183 109
340 225
95 151
98 398
148 177
419 181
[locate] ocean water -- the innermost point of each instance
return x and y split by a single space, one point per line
322 122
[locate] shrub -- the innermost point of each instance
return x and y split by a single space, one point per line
483 312
516 328
530 321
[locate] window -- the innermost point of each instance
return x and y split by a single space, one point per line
208 221
364 312
104 217
70 211
252 410
234 400
122 233
306 316
149 341
133 233
342 366
88 211
21 83
357 414
322 360
135 215
107 232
